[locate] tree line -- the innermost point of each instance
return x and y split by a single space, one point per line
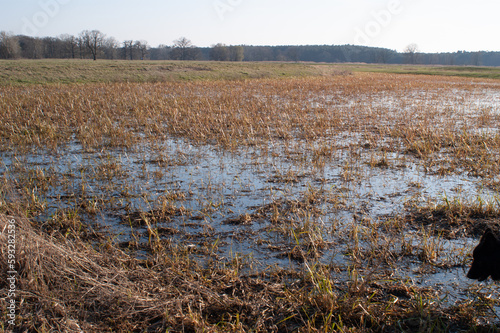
93 44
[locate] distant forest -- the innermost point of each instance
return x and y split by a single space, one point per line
95 45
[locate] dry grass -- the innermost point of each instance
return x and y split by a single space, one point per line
54 71
457 217
316 112
68 285
72 277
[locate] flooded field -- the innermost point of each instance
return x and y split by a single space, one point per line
369 187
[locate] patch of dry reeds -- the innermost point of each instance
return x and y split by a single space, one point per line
419 116
67 285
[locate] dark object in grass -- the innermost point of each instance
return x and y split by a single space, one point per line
486 257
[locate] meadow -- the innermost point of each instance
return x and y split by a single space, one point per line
248 197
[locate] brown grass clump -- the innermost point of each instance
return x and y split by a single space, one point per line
70 286
457 217
310 116
54 275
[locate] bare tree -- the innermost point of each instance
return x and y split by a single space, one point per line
183 43
70 45
236 53
160 53
78 42
49 47
219 52
31 47
142 47
110 46
411 53
93 41
183 49
9 46
127 48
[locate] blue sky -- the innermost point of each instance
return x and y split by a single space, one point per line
434 25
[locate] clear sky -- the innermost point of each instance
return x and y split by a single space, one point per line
434 25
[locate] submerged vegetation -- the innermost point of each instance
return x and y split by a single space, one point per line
246 197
